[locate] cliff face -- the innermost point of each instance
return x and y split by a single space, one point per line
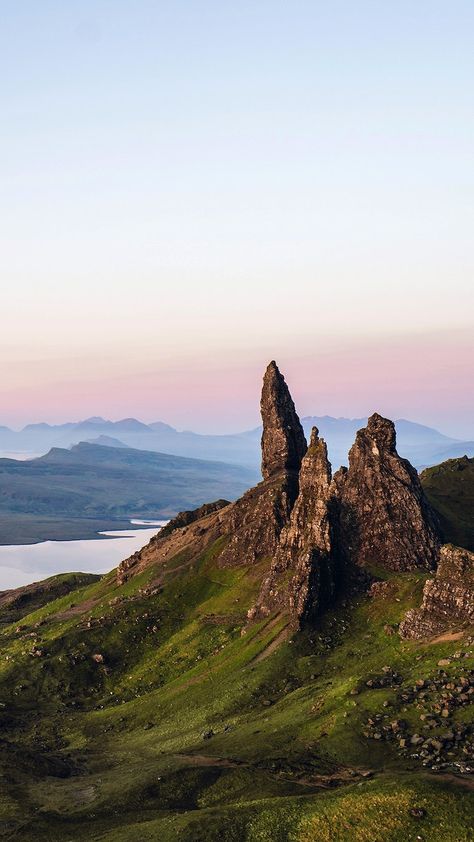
384 517
315 533
257 519
283 440
448 598
301 578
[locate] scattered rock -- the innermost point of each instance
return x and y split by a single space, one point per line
418 812
208 734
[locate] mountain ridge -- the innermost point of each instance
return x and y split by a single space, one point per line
106 486
424 446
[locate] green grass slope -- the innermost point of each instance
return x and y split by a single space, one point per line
17 602
450 490
149 711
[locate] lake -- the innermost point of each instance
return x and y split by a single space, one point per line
25 563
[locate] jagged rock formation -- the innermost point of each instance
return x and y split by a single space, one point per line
257 519
301 578
283 439
252 525
383 516
448 598
315 535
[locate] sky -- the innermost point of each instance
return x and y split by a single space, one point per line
190 189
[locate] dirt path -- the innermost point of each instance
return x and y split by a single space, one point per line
340 778
81 608
274 644
447 637
208 760
467 781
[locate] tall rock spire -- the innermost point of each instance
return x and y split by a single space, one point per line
384 517
283 440
301 580
257 519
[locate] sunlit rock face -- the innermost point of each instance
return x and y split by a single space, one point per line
283 440
312 535
301 578
257 519
448 598
384 518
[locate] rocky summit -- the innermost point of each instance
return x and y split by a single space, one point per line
283 440
447 599
384 517
297 665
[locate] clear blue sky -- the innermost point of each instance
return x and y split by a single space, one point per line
191 188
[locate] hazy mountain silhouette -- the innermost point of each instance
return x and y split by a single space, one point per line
422 445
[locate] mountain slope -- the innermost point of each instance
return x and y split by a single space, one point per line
106 484
157 719
203 691
450 490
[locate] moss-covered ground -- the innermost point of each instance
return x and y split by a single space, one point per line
153 713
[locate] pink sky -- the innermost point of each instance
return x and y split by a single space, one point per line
426 377
199 188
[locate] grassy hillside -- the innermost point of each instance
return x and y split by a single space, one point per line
17 602
150 711
450 490
49 496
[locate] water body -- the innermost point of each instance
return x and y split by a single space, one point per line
24 563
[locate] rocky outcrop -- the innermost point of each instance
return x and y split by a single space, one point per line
190 541
185 518
257 519
383 516
252 525
301 578
448 598
314 536
283 440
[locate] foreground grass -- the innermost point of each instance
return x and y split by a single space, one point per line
183 729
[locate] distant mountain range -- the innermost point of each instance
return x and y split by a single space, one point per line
422 445
75 493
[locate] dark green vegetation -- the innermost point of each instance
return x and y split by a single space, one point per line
450 490
75 493
15 603
150 711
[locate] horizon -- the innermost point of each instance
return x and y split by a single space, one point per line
101 420
235 399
